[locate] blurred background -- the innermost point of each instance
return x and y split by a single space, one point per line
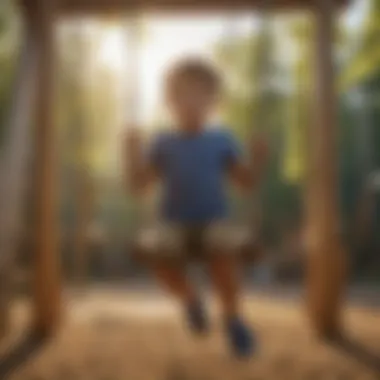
267 62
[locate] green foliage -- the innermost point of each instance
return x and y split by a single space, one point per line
8 51
256 103
365 60
288 116
250 70
86 101
299 110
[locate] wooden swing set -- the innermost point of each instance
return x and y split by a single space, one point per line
33 104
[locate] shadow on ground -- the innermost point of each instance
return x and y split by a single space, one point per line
18 354
359 352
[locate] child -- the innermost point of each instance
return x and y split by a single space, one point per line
192 162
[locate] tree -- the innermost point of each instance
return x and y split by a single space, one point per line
89 115
8 50
75 111
255 101
365 59
299 107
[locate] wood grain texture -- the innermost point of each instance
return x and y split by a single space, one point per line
47 270
75 7
14 171
327 259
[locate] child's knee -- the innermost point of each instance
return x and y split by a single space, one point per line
222 263
159 241
224 238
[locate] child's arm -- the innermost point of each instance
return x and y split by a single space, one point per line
246 175
140 173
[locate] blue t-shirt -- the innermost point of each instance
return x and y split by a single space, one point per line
193 170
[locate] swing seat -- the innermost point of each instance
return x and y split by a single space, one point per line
248 251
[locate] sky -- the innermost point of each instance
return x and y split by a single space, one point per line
167 38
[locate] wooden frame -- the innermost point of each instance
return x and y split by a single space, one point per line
99 7
47 274
326 260
74 7
14 167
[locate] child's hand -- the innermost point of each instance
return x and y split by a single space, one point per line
139 173
259 149
133 142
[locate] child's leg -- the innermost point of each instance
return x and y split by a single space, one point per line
167 244
222 242
163 245
223 267
223 271
173 279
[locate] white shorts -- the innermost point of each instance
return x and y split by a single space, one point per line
177 240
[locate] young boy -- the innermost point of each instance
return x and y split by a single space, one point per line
192 163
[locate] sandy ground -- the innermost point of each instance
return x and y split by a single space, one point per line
128 336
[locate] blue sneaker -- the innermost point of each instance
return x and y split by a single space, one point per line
197 317
241 339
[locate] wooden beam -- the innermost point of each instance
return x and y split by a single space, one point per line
85 7
47 272
326 260
14 170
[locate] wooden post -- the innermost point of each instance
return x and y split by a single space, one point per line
326 260
14 169
47 276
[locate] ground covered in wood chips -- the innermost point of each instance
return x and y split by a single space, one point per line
127 336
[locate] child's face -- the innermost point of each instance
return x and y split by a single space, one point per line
191 101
